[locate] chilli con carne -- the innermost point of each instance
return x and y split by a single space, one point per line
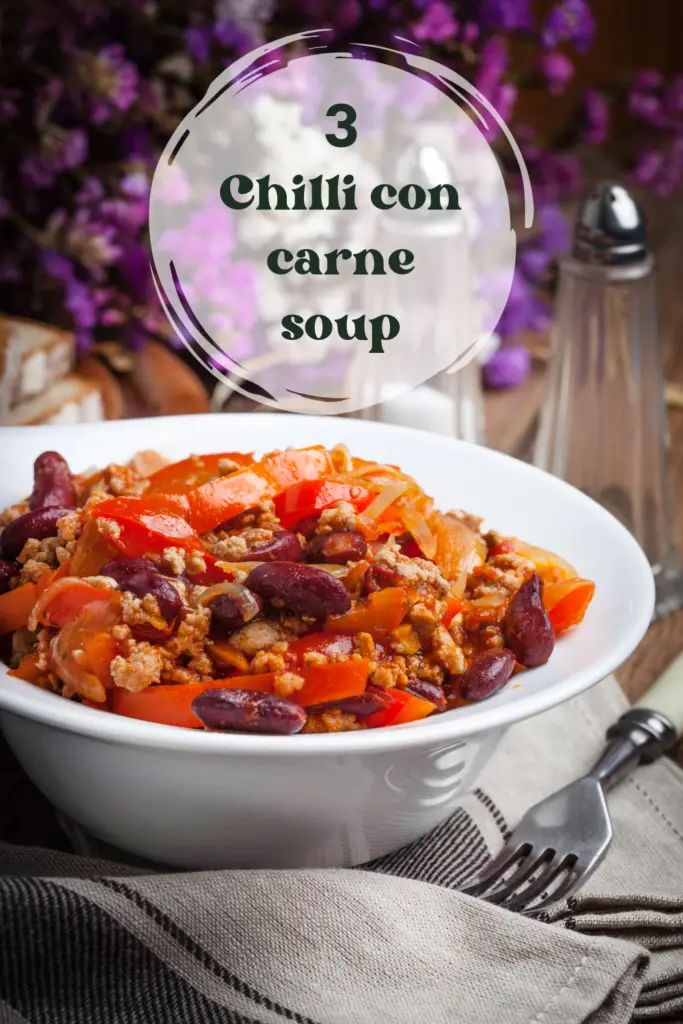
305 591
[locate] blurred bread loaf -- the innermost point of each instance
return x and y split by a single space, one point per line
39 354
70 400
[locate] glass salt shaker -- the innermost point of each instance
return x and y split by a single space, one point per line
451 403
603 423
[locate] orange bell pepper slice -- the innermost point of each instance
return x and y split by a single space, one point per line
148 525
100 650
27 669
16 607
228 656
383 612
65 599
567 601
453 606
172 704
183 476
310 497
405 707
215 502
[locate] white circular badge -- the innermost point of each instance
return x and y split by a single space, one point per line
329 230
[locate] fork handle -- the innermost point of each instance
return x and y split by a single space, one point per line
638 737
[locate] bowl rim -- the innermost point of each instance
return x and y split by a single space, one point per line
20 698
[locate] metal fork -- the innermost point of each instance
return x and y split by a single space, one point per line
560 842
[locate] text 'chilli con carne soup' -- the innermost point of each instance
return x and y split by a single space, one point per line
305 591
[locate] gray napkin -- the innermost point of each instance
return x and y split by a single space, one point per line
94 940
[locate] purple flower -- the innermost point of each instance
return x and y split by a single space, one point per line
198 42
507 368
648 167
437 24
111 81
508 15
596 118
555 231
533 262
9 104
229 34
569 21
59 150
558 69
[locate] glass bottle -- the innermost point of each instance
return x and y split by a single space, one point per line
603 423
451 403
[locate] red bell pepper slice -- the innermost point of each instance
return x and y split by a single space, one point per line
148 525
172 704
183 476
453 606
383 612
297 464
567 601
405 707
311 497
64 601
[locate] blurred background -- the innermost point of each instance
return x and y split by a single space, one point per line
91 91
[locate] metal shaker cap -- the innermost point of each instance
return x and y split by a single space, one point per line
610 228
423 163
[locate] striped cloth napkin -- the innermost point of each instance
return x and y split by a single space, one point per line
100 938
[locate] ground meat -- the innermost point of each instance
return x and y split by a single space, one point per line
416 571
256 636
102 582
267 661
365 645
202 665
23 642
121 631
43 650
70 526
423 668
40 551
32 571
446 651
267 518
233 548
295 626
227 466
174 558
332 721
287 683
392 674
123 480
195 561
312 658
139 610
256 535
140 668
192 631
424 620
341 517
109 528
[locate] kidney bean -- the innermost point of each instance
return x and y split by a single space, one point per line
248 711
304 589
226 616
143 583
8 570
428 691
284 547
39 524
307 525
361 705
53 485
527 628
487 674
336 548
121 569
377 577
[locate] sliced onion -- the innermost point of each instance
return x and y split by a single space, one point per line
49 594
493 600
244 598
148 462
386 496
415 522
372 468
342 458
340 571
95 618
233 567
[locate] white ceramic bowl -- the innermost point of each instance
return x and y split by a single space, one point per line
212 800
